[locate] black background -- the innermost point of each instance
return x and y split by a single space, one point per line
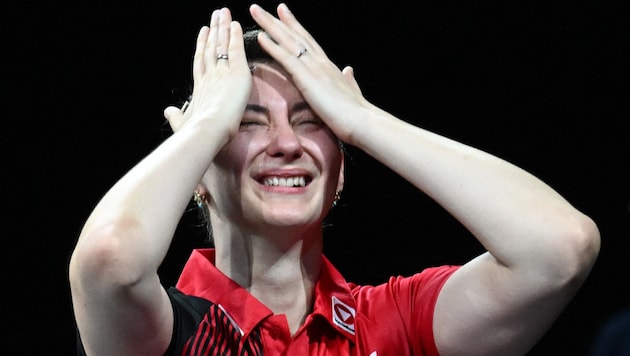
541 84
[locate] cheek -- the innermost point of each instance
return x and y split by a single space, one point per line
227 167
233 155
327 155
329 147
335 165
223 177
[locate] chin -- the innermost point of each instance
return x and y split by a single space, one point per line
290 216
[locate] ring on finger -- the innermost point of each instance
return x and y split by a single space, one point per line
222 56
301 52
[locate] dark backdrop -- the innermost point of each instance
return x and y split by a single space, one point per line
541 84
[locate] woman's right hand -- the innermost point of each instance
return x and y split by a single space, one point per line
222 84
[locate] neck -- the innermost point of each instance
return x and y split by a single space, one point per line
281 271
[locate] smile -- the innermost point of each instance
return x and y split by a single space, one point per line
298 181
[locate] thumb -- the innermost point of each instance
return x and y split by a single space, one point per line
175 117
348 73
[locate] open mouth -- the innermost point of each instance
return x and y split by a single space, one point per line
294 181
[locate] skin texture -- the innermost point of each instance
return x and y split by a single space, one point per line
284 119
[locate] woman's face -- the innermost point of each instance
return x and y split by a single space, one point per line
283 166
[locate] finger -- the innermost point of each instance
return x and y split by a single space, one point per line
348 73
198 62
223 34
236 48
286 16
174 116
281 33
210 54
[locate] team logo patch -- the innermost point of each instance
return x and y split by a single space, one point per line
343 315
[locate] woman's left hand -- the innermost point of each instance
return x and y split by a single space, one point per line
333 94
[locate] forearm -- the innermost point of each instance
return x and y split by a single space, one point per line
513 214
142 210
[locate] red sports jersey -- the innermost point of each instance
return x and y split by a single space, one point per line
215 316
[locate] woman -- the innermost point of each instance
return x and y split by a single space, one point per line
259 148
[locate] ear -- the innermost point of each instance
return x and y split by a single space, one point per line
341 179
201 189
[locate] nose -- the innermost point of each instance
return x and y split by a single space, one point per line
284 142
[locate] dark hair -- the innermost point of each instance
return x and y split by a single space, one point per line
253 51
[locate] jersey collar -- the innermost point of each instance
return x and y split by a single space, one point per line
333 299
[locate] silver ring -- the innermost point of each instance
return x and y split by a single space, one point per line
222 56
301 52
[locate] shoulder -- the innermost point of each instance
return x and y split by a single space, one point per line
425 283
400 310
188 312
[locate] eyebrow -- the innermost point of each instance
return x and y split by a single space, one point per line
256 108
299 106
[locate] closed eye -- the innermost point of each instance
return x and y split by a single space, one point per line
250 123
307 124
253 121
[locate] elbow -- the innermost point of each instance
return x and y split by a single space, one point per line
586 245
576 251
102 256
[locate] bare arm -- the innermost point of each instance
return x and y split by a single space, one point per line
120 306
540 248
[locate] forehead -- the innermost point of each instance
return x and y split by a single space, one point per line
271 83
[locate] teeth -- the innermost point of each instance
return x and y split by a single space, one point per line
286 181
